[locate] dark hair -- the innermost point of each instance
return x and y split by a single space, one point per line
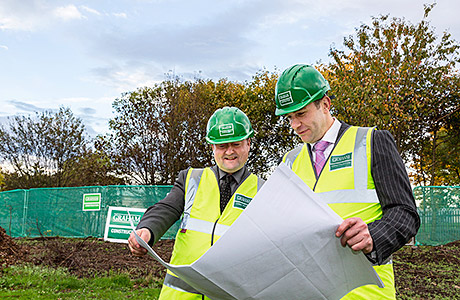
317 102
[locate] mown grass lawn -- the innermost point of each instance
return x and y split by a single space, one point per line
38 282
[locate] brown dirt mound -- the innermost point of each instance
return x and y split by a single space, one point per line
9 250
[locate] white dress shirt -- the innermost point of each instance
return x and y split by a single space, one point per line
330 136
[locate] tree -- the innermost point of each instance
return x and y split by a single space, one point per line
273 135
136 139
398 76
446 143
38 148
161 130
92 168
2 180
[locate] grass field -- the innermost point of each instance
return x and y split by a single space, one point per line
39 282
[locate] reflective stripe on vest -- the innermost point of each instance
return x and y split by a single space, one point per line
205 226
192 182
178 284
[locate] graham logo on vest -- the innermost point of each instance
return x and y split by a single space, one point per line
341 161
241 201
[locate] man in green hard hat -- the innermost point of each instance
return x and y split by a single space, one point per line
209 199
356 170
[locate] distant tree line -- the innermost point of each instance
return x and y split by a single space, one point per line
392 74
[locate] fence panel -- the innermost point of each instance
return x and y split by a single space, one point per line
439 210
59 211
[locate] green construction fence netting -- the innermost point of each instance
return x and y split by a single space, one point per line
439 210
72 211
76 212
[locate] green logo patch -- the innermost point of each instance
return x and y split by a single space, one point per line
241 201
285 98
341 161
226 130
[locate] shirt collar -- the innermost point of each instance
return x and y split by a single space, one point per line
331 134
238 175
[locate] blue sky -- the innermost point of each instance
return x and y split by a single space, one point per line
85 54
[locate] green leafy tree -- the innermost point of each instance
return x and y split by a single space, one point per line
188 106
2 180
161 130
92 168
447 144
273 135
37 148
137 135
400 77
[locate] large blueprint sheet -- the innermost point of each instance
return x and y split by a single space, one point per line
283 246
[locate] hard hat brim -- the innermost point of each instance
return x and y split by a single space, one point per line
230 139
283 111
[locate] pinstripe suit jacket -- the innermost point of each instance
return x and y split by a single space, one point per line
400 219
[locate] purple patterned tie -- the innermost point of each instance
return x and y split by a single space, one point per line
320 158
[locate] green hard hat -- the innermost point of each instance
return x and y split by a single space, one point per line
228 125
297 87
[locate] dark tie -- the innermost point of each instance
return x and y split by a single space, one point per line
225 191
320 158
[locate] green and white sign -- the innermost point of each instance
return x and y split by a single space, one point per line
285 98
91 202
341 161
226 130
241 201
117 226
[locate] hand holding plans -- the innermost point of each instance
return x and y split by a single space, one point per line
283 246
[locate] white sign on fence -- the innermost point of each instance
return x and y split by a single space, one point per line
117 226
92 202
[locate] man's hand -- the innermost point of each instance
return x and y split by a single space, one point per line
355 233
136 249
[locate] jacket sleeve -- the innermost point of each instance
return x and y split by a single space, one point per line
400 220
163 214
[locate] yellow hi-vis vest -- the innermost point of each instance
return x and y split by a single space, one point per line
203 224
347 185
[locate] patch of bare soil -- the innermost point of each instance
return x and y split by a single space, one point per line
428 272
82 257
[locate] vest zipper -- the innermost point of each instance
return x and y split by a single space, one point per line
213 230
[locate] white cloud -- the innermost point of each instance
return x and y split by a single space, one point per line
3 47
22 15
120 15
34 15
126 78
90 10
68 12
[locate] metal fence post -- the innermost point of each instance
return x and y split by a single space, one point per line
24 214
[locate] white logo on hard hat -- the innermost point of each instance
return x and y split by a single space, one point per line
285 98
226 129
